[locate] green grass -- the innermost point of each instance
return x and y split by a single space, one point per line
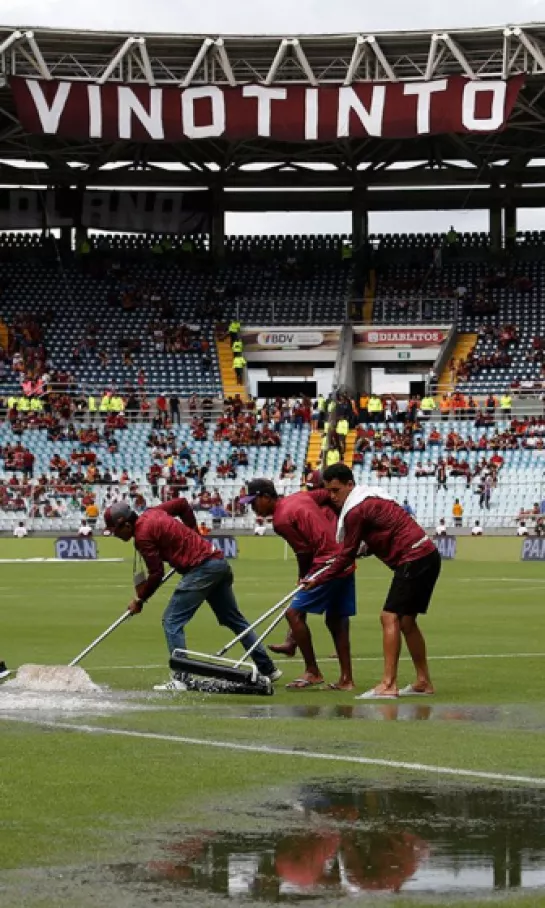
69 799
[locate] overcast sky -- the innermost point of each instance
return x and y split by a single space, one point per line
289 17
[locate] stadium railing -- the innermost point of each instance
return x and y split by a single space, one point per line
501 516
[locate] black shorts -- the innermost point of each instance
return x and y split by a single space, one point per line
412 587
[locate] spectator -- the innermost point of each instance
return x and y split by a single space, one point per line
476 529
174 404
441 529
375 409
233 330
239 364
260 527
341 431
92 512
85 530
457 513
20 531
441 475
522 529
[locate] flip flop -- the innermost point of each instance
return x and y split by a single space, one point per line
301 683
409 691
373 695
336 687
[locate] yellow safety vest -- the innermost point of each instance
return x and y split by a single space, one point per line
332 457
238 347
105 404
505 402
234 327
342 427
239 362
91 404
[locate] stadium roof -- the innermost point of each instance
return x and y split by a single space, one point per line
184 61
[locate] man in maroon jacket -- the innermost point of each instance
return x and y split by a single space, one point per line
159 537
311 535
369 516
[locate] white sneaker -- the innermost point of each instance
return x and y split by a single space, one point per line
175 685
275 675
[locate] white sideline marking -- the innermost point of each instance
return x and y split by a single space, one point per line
61 560
461 657
501 579
283 751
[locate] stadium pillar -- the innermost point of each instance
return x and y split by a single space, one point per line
217 231
494 217
360 220
510 224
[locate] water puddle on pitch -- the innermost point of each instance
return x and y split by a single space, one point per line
327 842
398 711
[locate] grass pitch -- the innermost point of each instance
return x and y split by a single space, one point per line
88 801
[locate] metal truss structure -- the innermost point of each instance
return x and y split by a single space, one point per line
449 161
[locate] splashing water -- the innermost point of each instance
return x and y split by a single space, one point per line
72 679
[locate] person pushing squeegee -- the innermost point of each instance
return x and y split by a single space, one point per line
159 537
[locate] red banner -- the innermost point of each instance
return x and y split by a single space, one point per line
294 113
400 337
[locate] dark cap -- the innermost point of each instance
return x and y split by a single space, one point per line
259 487
315 480
118 513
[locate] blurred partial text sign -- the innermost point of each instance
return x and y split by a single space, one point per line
446 546
227 545
74 548
533 549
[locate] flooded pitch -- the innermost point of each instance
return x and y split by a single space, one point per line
324 843
330 842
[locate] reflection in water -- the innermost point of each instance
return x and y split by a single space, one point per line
349 841
371 712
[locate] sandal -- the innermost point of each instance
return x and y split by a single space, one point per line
301 683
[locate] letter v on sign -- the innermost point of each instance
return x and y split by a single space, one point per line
49 115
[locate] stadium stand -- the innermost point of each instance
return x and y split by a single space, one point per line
110 317
488 297
516 486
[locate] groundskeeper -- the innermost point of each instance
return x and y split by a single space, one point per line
159 537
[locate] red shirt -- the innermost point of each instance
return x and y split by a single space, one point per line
389 533
158 537
308 530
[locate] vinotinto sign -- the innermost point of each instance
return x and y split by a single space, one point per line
282 112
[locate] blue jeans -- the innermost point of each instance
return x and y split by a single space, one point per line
212 581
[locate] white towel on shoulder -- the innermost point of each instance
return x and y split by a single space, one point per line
357 495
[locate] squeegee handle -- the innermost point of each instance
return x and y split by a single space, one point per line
102 637
284 603
124 617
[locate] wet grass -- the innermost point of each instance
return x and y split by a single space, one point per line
75 799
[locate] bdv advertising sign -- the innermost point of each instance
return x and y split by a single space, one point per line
533 549
73 548
290 340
